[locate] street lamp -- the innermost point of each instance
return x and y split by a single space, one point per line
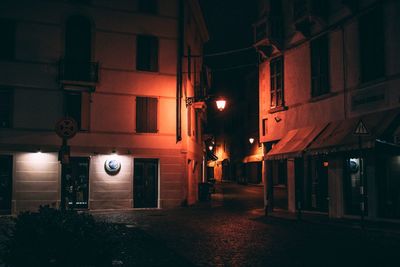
220 102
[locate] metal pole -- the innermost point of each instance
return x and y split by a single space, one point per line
362 202
62 151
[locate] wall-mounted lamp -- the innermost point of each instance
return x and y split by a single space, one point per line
251 140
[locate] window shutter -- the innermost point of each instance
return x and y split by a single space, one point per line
140 114
152 115
146 115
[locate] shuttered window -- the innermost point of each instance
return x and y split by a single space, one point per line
147 53
146 114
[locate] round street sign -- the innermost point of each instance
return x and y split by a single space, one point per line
66 128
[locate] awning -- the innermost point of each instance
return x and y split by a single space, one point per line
339 135
294 143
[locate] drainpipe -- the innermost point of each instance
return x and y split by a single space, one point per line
344 58
179 71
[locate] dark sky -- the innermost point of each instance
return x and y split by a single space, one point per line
230 28
229 24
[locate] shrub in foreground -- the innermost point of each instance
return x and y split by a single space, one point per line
52 237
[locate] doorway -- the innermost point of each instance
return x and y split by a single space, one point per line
6 163
145 183
75 183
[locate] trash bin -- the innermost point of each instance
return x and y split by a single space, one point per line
204 192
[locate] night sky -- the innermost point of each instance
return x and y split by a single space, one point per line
230 28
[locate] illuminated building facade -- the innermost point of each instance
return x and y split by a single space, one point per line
122 70
328 74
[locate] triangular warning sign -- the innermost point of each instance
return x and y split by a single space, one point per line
361 129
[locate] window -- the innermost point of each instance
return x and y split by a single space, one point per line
319 66
6 100
264 127
372 59
146 114
276 77
7 44
148 6
73 106
147 53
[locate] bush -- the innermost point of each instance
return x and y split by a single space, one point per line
59 238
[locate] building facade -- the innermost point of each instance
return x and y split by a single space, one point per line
122 70
329 106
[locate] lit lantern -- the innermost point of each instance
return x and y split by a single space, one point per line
251 140
221 104
210 148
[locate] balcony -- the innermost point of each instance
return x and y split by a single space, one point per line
81 76
268 35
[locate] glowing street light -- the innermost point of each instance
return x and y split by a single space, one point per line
220 104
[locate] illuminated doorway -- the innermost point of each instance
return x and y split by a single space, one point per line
75 183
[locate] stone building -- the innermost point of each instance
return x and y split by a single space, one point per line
122 70
329 106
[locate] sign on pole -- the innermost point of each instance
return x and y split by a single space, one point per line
361 129
66 128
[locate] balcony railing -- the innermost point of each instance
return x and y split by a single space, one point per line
78 72
269 28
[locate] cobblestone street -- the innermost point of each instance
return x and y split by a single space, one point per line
232 231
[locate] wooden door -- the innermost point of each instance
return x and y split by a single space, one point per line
145 186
